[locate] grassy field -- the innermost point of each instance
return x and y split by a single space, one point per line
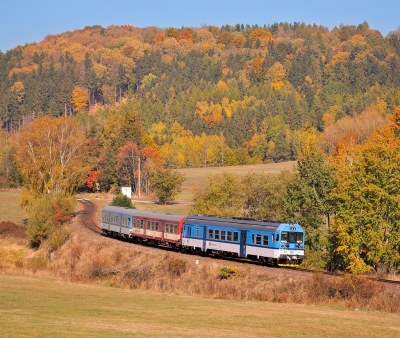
10 207
175 208
194 175
37 307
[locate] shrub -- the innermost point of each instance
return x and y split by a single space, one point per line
176 266
58 237
36 263
46 214
227 272
10 229
356 287
41 221
122 201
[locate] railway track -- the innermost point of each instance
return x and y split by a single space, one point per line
87 221
87 216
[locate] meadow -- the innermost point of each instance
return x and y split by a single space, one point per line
40 307
11 210
10 207
198 175
127 291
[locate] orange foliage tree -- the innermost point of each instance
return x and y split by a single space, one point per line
93 178
185 35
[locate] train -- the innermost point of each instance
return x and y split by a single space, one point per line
270 243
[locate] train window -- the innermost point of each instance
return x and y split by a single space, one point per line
189 231
167 227
252 239
235 236
197 232
210 233
216 234
284 237
292 237
141 224
277 238
125 221
152 225
156 227
272 239
148 225
229 236
223 235
265 240
258 239
299 237
175 228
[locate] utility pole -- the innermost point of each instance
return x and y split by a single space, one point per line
139 178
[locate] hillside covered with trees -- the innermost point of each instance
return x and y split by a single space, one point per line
121 100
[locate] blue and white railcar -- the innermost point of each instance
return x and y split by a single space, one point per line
117 221
267 242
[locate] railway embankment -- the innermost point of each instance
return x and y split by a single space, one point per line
88 257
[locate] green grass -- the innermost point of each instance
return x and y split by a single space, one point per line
37 307
10 207
196 175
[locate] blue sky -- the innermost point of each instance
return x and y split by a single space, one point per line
26 21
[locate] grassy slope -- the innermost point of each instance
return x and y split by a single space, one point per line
38 307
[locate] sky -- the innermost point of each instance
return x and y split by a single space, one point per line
26 21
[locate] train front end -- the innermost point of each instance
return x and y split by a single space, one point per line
290 239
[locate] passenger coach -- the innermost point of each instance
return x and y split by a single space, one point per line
267 242
143 226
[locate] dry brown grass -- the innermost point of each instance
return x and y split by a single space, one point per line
120 264
87 258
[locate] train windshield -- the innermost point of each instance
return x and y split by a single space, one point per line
292 237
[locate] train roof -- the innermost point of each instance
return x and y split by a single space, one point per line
118 210
249 224
158 215
143 214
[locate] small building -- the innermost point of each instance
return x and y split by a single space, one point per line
127 191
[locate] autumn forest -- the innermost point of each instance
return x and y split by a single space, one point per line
91 105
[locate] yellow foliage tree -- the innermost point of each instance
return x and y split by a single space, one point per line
260 34
276 75
257 64
18 89
80 98
53 157
239 41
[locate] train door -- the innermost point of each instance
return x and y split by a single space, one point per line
243 236
204 233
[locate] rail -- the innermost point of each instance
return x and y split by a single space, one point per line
88 222
87 215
